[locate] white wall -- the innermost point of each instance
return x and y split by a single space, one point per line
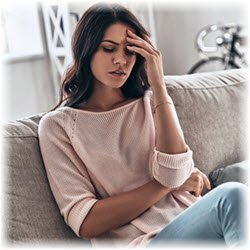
29 87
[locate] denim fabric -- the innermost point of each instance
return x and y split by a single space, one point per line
218 218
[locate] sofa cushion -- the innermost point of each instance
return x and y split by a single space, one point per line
238 172
212 111
31 211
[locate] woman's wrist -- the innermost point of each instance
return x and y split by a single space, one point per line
161 96
161 187
158 86
159 92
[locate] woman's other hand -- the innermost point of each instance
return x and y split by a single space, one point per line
195 183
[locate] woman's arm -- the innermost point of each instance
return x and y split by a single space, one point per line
169 136
113 212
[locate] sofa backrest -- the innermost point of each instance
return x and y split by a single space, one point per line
212 109
212 112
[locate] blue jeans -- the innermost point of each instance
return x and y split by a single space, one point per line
219 217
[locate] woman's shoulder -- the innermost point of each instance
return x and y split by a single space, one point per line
56 118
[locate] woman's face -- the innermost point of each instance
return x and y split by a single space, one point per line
112 63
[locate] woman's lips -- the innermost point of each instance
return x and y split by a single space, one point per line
118 74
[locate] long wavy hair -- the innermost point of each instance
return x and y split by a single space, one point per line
77 83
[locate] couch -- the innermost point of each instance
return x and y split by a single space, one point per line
212 109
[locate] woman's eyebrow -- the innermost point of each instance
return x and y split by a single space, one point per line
110 41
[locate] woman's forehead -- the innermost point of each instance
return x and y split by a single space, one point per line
117 32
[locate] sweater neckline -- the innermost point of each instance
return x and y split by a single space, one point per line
78 110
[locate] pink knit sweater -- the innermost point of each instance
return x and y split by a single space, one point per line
94 155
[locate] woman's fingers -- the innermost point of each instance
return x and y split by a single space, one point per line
146 38
138 41
201 182
206 181
132 34
138 50
199 186
204 178
195 183
142 44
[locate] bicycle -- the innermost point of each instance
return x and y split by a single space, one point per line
230 44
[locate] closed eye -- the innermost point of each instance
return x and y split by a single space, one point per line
109 50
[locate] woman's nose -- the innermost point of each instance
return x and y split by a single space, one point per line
120 58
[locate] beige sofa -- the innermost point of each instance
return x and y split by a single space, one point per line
212 111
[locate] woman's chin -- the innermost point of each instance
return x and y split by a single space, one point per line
115 83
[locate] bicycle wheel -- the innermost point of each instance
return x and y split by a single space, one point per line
211 64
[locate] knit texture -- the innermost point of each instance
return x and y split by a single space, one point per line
93 155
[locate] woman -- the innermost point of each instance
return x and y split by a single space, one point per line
114 151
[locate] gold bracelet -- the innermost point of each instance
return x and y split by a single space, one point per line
161 103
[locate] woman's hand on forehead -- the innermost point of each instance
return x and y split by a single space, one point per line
153 58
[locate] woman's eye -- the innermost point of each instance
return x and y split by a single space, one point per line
108 49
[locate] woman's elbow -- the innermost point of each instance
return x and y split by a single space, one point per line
85 232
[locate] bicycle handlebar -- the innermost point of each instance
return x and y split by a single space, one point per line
211 28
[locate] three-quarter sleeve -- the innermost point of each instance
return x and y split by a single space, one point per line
68 177
172 170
